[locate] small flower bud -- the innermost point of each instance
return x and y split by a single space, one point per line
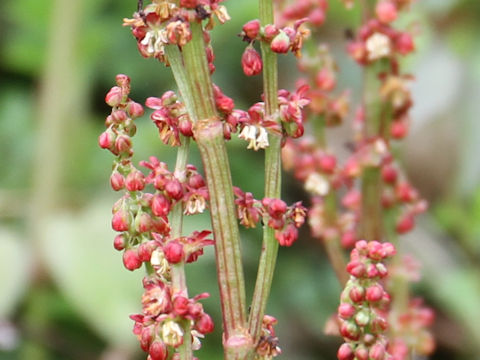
350 330
280 43
389 174
123 81
346 311
121 220
270 31
377 352
158 350
123 144
131 260
251 29
374 293
180 305
145 250
357 294
405 224
356 268
135 181
205 324
106 139
174 189
119 242
345 352
386 11
135 109
251 62
288 236
362 318
361 352
328 163
114 97
325 80
404 43
117 181
160 205
173 252
119 116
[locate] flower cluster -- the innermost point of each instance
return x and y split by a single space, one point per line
159 327
170 117
274 212
165 22
141 219
378 40
267 347
362 301
290 11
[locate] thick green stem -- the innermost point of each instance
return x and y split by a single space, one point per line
196 87
273 170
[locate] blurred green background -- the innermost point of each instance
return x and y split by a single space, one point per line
63 291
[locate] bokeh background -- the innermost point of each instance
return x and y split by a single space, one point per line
63 291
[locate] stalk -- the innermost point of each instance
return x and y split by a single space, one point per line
273 170
371 227
195 85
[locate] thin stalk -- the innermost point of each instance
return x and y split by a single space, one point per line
196 88
273 168
371 227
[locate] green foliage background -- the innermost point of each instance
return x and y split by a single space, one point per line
64 294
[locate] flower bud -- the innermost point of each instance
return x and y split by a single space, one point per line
145 250
357 294
205 324
251 29
362 318
356 268
404 43
117 181
374 293
158 350
185 126
119 242
386 11
160 205
361 352
251 62
123 81
135 181
135 109
346 311
288 236
350 330
345 352
399 129
174 189
114 97
121 220
106 139
328 163
280 43
131 260
173 252
405 223
180 305
118 116
123 144
325 80
270 31
377 352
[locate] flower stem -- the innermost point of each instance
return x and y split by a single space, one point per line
196 87
273 170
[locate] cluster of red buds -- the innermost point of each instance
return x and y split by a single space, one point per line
267 347
170 117
165 22
292 10
281 41
378 40
274 212
412 331
159 328
141 218
362 301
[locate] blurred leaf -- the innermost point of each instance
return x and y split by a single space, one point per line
82 261
15 267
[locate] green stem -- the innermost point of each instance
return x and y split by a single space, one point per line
196 87
376 111
273 170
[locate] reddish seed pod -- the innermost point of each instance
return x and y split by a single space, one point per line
288 236
356 268
145 250
185 127
106 139
131 260
180 305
